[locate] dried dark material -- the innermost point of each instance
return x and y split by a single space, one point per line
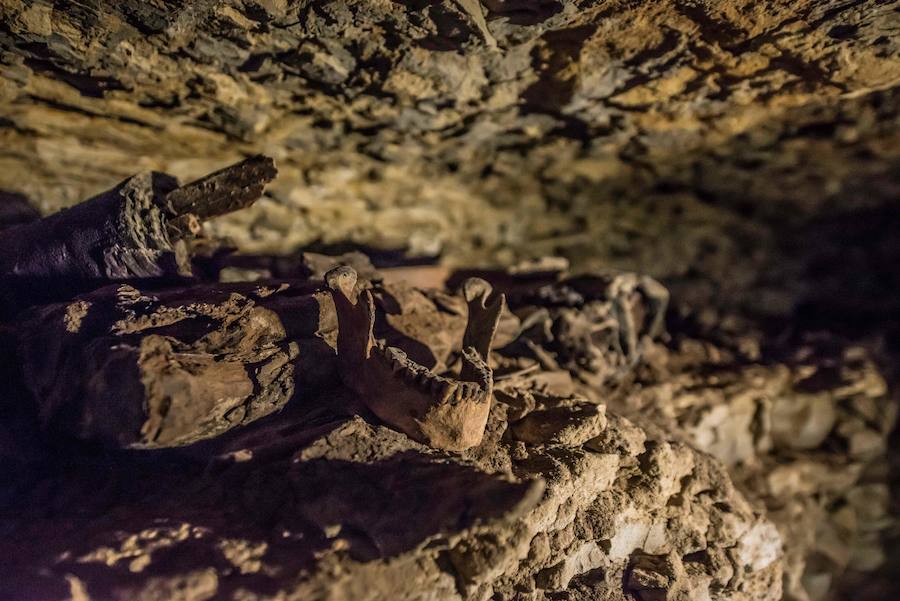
15 210
147 369
224 191
141 229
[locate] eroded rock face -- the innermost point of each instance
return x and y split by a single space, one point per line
807 438
746 152
670 139
351 511
282 484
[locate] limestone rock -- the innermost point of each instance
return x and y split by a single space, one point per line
688 142
744 154
573 423
779 429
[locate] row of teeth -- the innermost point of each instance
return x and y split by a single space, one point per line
410 372
471 356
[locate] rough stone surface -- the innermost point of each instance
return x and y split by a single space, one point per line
745 154
318 501
616 133
292 511
787 433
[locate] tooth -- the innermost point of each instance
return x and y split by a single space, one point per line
448 391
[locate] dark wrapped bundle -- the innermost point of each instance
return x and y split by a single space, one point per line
144 369
144 228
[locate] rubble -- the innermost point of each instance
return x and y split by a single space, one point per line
205 391
689 207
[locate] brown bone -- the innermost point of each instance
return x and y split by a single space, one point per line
443 412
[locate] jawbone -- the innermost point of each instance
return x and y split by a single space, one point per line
440 411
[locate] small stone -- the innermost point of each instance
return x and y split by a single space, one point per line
568 424
802 421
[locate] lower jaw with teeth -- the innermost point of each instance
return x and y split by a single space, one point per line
445 413
442 412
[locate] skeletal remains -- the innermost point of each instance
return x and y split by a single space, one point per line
444 412
127 338
122 326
